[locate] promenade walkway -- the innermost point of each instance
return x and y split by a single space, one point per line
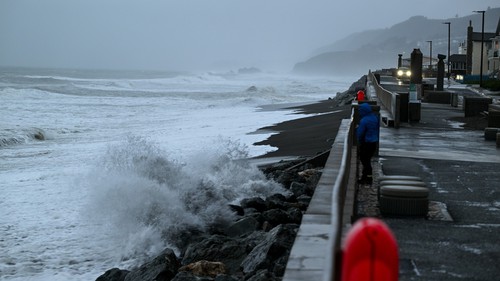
460 239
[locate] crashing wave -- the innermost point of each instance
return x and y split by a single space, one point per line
9 137
138 189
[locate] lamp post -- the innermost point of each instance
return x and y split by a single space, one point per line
482 46
448 59
430 55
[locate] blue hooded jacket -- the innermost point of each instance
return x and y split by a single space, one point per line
369 126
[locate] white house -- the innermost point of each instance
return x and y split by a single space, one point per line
493 52
474 51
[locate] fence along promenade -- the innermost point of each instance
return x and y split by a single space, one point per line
316 252
389 100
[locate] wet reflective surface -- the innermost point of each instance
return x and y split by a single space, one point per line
435 137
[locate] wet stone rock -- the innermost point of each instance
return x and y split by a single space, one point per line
163 268
242 226
298 188
276 201
304 199
276 216
226 278
230 251
263 275
294 215
113 274
256 202
277 244
188 276
204 268
238 210
280 266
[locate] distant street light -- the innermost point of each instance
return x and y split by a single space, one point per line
430 56
482 45
448 59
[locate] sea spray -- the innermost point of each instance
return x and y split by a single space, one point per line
147 201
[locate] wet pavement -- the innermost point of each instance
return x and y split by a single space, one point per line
438 138
462 172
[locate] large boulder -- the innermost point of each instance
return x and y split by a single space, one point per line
226 278
217 248
188 276
114 274
204 268
242 226
162 268
276 217
298 188
263 275
294 215
277 244
276 201
256 203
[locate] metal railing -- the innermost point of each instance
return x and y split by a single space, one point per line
389 100
338 202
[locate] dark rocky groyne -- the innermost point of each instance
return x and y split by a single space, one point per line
257 244
254 247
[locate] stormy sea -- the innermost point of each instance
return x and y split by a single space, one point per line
102 169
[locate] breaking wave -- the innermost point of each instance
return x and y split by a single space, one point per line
9 137
148 201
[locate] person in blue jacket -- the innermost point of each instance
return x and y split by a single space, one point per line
368 138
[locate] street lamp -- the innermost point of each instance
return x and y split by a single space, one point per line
448 60
482 46
430 56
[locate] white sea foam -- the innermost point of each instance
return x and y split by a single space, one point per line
148 201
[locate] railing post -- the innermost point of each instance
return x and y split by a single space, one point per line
397 110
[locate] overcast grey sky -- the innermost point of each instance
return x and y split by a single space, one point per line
195 34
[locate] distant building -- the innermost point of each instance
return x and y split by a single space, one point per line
462 48
458 64
493 61
427 62
474 51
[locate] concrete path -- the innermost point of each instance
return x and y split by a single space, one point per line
462 171
436 137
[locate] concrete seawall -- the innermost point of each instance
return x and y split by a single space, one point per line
315 253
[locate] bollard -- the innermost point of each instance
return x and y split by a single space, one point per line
416 58
370 252
454 100
440 74
490 134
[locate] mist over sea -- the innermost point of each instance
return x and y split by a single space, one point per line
102 169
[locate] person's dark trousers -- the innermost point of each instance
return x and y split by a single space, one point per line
366 152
